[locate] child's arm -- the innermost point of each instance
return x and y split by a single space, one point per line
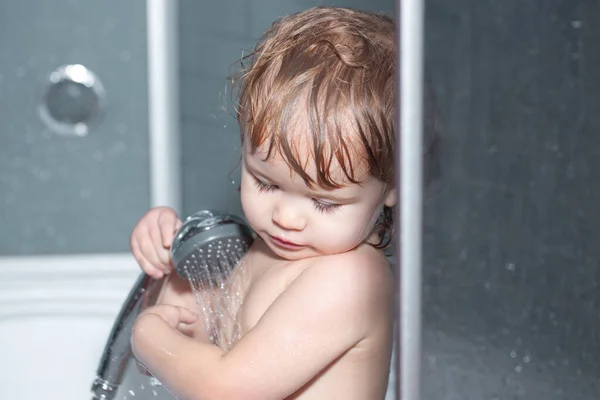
323 313
177 292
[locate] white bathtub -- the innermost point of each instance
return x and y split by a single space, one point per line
55 316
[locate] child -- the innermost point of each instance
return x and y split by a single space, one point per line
316 113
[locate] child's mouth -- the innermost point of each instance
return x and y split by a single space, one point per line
284 243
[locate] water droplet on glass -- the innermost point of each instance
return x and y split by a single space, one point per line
513 354
518 340
131 393
154 381
80 129
518 368
511 267
576 24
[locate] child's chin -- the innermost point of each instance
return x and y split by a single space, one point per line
291 255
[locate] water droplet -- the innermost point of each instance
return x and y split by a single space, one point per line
576 24
131 393
518 368
513 354
80 129
511 267
526 359
154 382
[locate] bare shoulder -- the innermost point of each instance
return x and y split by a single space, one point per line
363 269
357 282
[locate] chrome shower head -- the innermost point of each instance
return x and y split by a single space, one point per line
205 249
209 238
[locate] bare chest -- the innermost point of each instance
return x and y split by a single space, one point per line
265 283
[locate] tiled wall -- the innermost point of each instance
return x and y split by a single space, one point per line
66 194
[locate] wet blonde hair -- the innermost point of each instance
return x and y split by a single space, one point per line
334 67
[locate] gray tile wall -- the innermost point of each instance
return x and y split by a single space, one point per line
64 195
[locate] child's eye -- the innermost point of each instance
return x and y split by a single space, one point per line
264 187
325 208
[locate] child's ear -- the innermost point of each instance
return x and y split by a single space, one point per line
390 197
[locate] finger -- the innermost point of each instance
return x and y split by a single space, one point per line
163 255
168 313
135 248
167 221
150 269
186 316
149 253
146 266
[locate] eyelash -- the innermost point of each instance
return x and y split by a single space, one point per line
321 207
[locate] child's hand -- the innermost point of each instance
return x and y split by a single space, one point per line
173 315
151 240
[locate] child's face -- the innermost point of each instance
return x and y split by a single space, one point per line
298 222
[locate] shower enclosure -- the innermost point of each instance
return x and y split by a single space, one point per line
511 264
108 108
88 104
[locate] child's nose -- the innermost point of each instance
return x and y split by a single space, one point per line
289 218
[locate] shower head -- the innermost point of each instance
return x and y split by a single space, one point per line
205 249
207 240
